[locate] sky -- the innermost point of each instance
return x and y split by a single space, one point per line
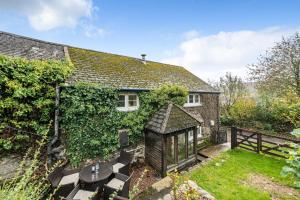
208 37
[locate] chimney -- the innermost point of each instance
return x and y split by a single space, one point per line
143 57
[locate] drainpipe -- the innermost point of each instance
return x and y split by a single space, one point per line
56 126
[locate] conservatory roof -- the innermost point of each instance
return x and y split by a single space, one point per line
171 118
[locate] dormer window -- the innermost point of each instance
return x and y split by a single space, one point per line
193 100
128 102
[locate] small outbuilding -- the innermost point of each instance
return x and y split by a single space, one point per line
171 139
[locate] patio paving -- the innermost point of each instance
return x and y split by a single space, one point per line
215 150
9 165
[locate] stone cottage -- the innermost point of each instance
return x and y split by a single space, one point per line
129 75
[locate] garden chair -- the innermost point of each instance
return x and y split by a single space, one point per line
83 193
122 163
119 184
63 181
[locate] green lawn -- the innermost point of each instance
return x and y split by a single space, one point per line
225 176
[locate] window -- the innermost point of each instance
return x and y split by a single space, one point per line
132 100
199 132
170 151
181 147
121 101
193 100
128 102
191 142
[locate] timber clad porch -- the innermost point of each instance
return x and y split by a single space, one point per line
171 139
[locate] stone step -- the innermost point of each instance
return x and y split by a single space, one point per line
201 157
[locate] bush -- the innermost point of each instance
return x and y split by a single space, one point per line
241 113
27 95
293 162
91 121
26 184
272 115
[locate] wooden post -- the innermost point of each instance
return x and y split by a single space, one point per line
186 143
163 156
233 137
259 142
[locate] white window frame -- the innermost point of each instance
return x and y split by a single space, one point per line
188 104
199 132
190 135
128 108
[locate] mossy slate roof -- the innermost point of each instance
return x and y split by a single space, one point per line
124 72
20 46
109 70
171 118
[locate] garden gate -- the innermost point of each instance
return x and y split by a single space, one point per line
261 143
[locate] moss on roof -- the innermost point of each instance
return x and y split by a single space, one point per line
124 72
171 118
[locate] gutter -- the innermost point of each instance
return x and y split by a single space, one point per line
50 150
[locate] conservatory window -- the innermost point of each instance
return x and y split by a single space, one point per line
128 102
191 142
193 100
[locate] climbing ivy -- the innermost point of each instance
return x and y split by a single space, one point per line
27 91
90 120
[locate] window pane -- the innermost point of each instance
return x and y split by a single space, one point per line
170 151
121 101
199 132
191 100
196 98
181 147
191 142
132 100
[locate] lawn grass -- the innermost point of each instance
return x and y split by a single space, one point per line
223 177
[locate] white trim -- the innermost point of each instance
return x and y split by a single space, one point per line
128 108
194 104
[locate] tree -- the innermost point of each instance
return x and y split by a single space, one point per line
279 70
232 88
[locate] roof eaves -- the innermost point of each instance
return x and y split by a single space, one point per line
33 39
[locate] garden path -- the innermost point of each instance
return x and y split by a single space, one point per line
9 165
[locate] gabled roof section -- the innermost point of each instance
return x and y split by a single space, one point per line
20 46
171 118
124 72
106 69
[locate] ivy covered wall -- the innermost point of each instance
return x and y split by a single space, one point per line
27 92
90 120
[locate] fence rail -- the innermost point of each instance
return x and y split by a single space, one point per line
261 143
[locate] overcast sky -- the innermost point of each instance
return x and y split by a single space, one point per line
208 37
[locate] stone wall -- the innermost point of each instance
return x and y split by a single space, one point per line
209 111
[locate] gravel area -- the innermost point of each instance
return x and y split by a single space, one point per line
149 178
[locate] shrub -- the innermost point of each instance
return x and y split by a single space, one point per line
280 114
26 184
293 162
27 95
242 112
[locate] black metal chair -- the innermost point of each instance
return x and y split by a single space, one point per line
119 184
63 181
122 163
80 193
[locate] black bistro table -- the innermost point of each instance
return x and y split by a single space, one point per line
93 180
